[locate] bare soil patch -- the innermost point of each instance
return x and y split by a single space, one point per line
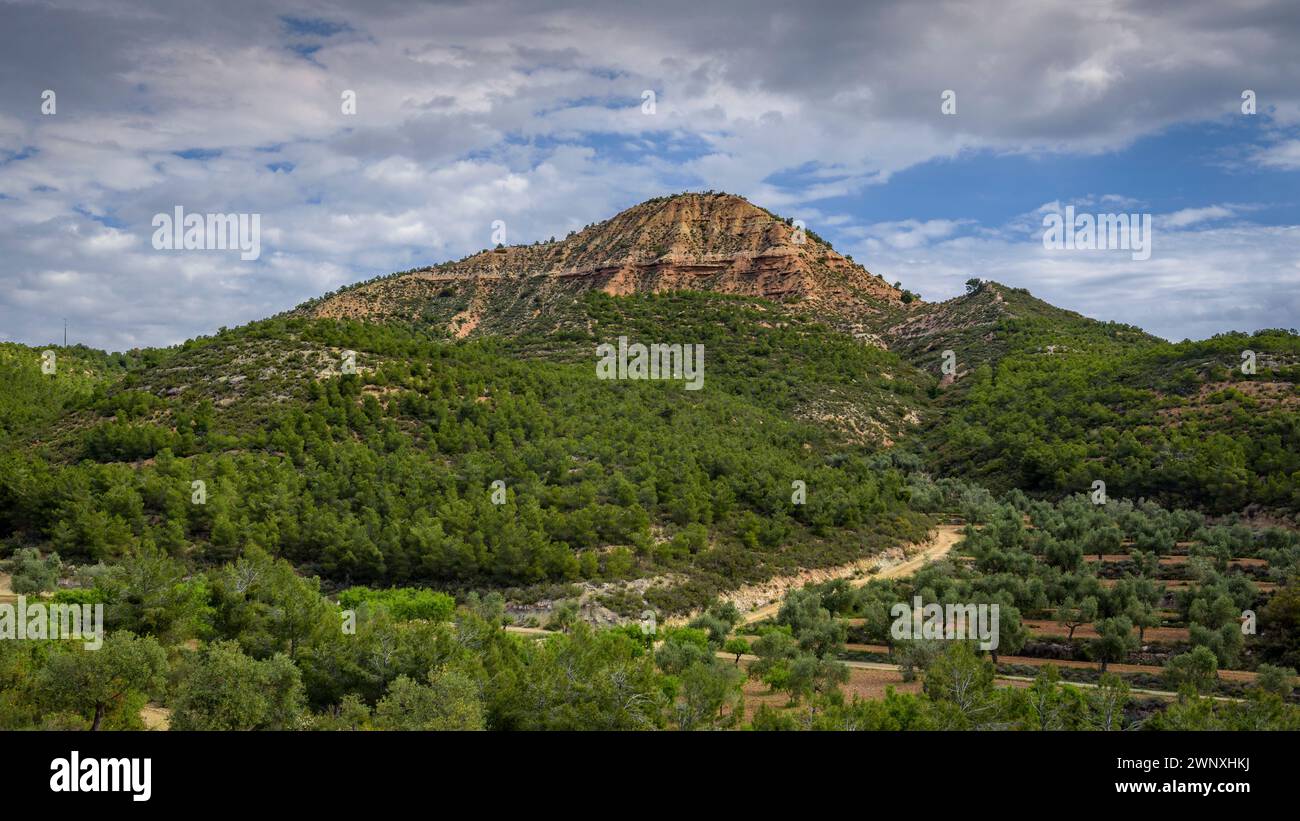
156 717
1056 629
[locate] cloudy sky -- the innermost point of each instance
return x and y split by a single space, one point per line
533 113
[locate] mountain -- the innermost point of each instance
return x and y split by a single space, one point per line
476 445
701 242
717 243
1048 402
441 444
389 475
992 321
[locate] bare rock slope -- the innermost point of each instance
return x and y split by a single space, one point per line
703 242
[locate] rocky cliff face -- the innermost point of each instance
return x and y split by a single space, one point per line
703 242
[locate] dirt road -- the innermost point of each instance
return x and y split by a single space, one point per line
535 632
1012 681
1033 661
942 540
771 592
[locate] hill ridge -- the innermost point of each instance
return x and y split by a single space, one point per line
693 241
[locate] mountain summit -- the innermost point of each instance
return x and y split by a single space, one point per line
701 242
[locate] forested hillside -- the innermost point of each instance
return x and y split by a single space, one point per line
992 321
386 476
1179 423
447 458
34 398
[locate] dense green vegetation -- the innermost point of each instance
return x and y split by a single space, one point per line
254 645
387 475
33 398
1178 423
279 542
1027 557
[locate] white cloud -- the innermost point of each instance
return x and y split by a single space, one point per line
1192 216
1284 155
907 234
473 112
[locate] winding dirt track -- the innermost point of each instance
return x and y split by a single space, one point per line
941 541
